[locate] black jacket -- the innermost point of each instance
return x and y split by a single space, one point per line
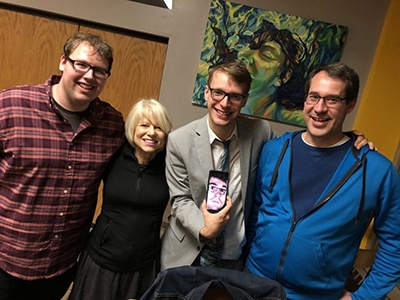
195 283
126 236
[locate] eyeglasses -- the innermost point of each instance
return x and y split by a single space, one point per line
83 68
329 101
218 95
215 189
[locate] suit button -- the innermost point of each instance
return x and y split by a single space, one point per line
198 248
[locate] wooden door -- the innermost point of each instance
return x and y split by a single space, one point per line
30 47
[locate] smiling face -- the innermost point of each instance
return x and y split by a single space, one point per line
148 140
324 124
223 113
76 90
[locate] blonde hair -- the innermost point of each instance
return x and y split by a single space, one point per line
154 111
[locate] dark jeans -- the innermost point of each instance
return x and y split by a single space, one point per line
195 283
12 288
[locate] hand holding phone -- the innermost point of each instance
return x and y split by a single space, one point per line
217 190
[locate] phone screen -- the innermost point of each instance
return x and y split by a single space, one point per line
217 190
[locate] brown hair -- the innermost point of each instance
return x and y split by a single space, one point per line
338 70
235 69
101 46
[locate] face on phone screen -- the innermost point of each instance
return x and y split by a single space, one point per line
216 195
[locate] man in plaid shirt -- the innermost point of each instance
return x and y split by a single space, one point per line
55 141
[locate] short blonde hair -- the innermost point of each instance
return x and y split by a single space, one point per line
154 111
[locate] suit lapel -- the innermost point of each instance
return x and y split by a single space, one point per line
245 148
202 144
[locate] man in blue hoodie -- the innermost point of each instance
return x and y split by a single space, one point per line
315 196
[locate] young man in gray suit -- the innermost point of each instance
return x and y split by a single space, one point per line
192 151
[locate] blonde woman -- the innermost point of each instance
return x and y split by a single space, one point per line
121 258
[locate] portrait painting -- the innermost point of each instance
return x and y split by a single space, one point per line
280 50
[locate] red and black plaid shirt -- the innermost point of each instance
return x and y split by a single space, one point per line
49 178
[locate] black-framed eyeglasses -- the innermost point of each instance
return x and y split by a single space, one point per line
329 101
82 67
218 95
215 189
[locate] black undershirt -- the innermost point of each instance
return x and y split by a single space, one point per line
73 117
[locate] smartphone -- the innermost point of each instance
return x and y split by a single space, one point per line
217 190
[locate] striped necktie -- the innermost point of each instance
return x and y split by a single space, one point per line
225 156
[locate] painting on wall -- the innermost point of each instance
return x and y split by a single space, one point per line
279 50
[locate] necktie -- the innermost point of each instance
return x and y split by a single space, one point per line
225 156
212 251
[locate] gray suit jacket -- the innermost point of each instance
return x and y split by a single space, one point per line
188 162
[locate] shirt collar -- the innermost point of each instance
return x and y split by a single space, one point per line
214 137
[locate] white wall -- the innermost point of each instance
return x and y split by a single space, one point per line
184 25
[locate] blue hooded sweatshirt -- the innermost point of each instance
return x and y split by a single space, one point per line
313 256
